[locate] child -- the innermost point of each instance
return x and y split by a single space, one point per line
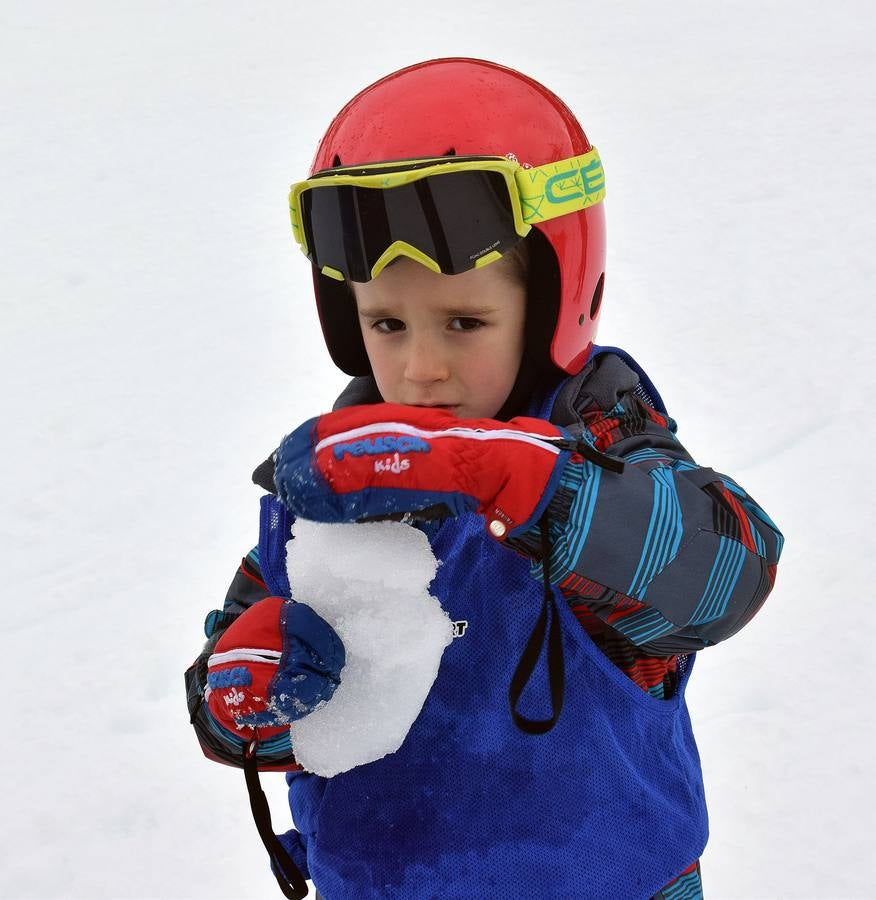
454 220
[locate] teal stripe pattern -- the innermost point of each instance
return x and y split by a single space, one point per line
664 532
278 744
658 690
753 509
583 478
648 454
643 625
759 542
733 487
688 887
722 580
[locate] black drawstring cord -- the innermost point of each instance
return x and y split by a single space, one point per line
292 882
588 451
529 659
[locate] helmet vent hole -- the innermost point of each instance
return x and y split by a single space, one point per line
597 298
336 161
450 152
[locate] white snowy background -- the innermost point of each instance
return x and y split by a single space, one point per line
159 336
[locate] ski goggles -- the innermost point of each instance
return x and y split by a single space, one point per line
451 214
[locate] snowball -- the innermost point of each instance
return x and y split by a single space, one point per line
370 582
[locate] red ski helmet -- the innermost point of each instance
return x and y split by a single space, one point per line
470 107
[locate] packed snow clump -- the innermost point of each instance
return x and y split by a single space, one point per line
370 582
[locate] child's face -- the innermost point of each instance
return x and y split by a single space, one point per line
453 341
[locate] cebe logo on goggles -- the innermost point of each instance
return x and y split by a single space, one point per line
451 214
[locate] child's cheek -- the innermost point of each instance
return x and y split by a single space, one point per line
489 382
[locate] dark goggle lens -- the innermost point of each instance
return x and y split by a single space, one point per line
454 218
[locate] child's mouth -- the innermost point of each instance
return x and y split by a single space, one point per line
448 407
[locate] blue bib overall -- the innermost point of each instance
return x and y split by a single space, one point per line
607 804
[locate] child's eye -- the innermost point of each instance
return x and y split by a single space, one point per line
465 323
387 326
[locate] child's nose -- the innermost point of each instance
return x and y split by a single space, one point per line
425 363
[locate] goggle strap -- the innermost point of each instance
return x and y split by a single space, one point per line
558 188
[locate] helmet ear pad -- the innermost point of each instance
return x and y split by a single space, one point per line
343 335
542 298
537 372
340 324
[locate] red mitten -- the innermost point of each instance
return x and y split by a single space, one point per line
370 461
274 664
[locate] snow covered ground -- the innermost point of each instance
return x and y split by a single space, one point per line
159 337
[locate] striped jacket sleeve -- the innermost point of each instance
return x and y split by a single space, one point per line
673 556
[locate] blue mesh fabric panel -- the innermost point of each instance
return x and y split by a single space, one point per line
607 804
275 530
